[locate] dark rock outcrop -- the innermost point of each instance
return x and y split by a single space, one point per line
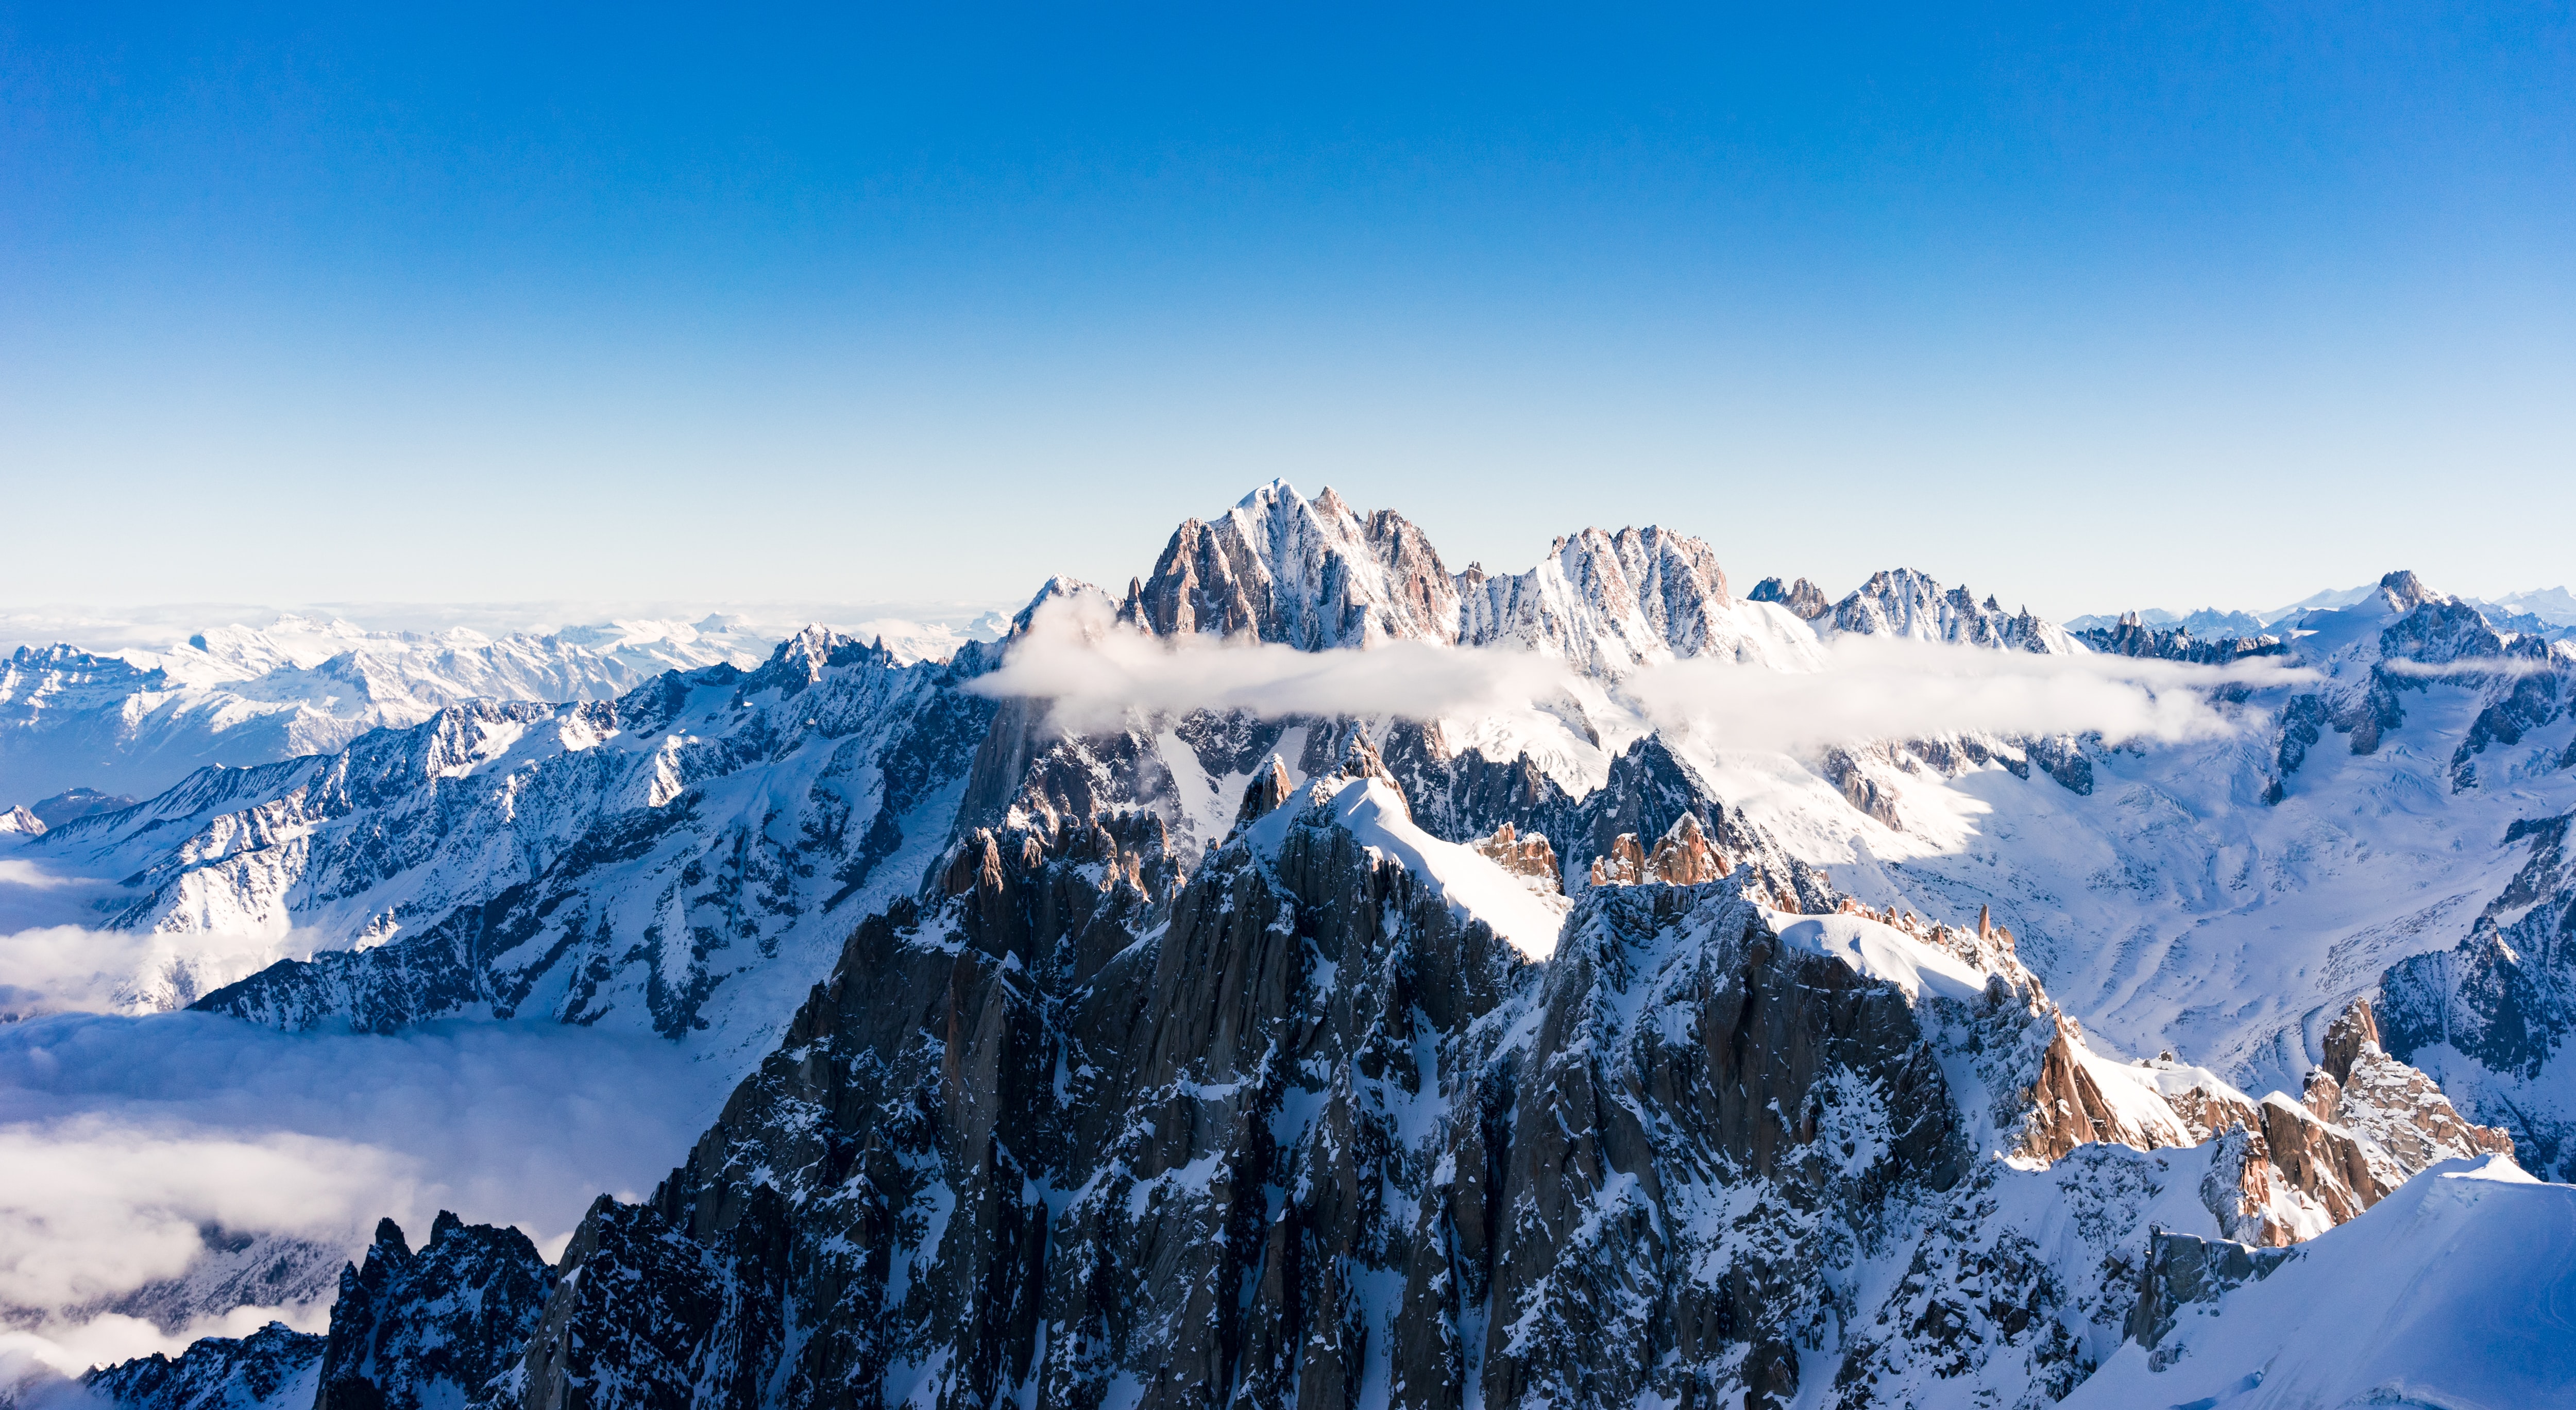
1803 598
2132 637
2491 1016
433 1328
2183 1269
275 1365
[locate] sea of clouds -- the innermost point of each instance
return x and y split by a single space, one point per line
125 1136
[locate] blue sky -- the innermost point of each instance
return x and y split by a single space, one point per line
2157 305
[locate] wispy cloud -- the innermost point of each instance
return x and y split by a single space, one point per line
2481 666
1884 688
1094 673
122 1137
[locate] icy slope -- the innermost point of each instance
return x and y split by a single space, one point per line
2459 1290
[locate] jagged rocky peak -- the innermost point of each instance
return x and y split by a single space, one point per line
1268 789
1361 760
434 1328
2132 636
1903 602
1528 856
1683 856
19 820
2406 592
1607 601
2398 1109
2283 1170
274 1366
1318 574
1311 574
1803 598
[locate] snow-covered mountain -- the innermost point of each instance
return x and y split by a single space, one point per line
2554 607
650 860
1417 1059
136 722
2205 623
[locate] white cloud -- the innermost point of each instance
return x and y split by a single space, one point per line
51 963
98 1204
1885 688
35 1363
1094 672
122 1136
2480 666
74 969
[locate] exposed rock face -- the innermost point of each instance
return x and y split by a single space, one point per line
1682 857
1624 866
1608 602
2070 1107
2183 1269
2133 637
1268 790
2285 1170
1804 598
1317 574
627 1325
274 1368
1647 792
2400 1110
1530 858
1309 574
436 1328
2489 1019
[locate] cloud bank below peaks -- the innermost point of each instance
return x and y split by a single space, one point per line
1097 675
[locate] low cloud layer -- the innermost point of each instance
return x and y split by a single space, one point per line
122 1137
1093 672
74 969
1870 688
2480 666
1876 688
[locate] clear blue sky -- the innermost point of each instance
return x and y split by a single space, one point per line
2090 306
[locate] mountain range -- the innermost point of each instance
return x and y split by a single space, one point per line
1584 1044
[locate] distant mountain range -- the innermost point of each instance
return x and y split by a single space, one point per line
2549 612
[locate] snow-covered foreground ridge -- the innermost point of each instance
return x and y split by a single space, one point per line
1209 1026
